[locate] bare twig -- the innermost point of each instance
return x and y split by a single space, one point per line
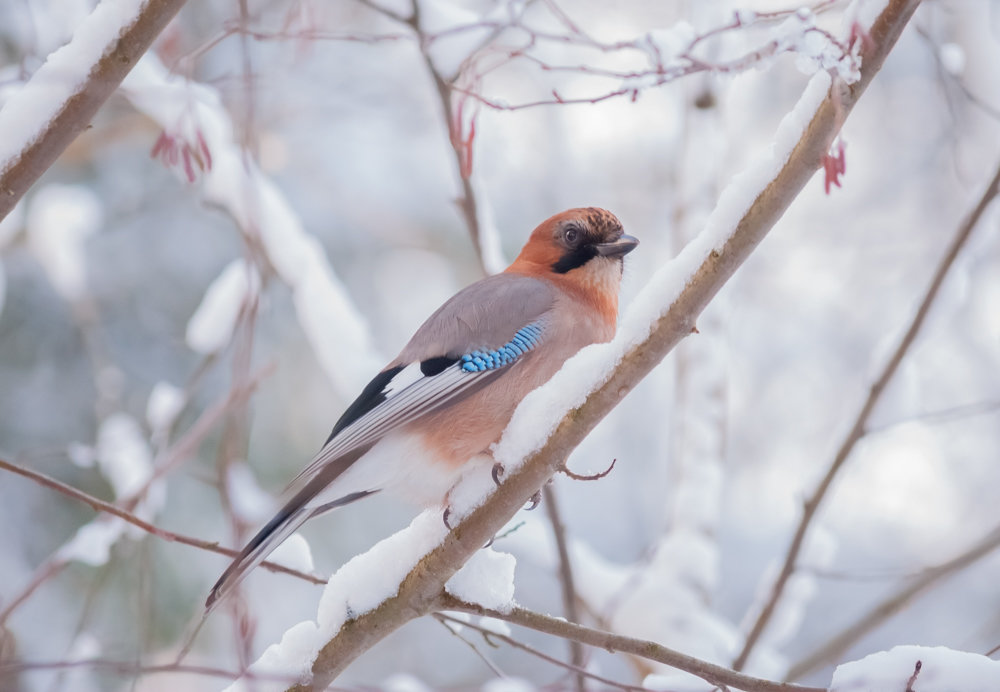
882 611
108 508
858 429
455 632
130 668
462 149
913 678
714 674
588 476
74 115
580 672
565 577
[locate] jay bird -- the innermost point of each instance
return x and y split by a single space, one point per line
453 388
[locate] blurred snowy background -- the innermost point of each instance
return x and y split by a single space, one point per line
298 220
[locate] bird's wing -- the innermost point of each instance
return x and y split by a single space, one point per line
471 340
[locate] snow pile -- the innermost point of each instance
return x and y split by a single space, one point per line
367 580
294 553
358 587
251 503
659 294
125 460
26 115
940 670
162 408
60 219
210 328
487 579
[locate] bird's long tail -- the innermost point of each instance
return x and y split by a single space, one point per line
287 521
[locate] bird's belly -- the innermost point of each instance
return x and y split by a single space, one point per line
401 464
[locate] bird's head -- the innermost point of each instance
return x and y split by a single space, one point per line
581 250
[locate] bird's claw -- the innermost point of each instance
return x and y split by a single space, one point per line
444 518
535 500
497 473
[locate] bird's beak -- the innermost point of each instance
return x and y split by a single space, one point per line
618 248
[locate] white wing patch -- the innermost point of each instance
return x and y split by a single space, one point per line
403 379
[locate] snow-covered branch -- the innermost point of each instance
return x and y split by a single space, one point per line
63 95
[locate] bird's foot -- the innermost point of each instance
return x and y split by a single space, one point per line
497 473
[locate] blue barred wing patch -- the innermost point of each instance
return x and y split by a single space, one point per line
524 340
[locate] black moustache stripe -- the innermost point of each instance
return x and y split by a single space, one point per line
572 259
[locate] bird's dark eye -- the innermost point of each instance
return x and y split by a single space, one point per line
571 236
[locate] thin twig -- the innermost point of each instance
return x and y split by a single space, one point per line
579 671
130 668
565 577
467 201
710 672
882 611
455 632
859 428
108 508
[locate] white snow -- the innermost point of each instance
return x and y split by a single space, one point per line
404 682
495 625
210 328
489 234
952 58
508 685
368 579
941 670
92 542
60 219
666 44
165 402
250 502
85 646
294 553
26 114
194 113
677 681
11 224
123 454
124 458
358 587
81 455
487 579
